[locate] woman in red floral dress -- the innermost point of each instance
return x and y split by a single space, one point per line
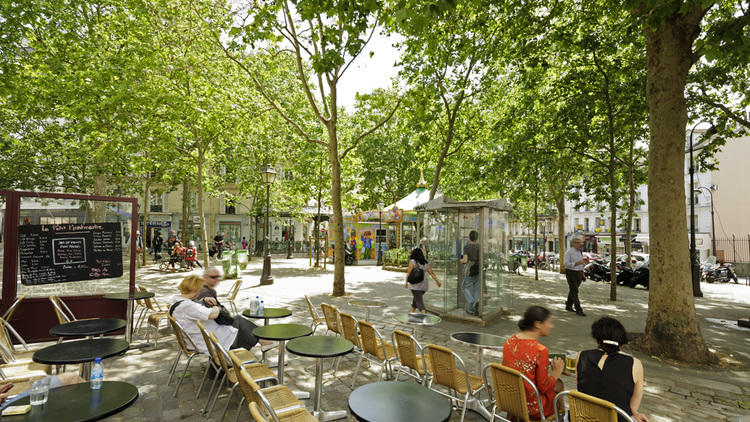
524 353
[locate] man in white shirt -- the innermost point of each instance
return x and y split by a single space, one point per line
574 263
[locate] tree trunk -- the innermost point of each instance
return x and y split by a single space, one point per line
560 204
672 326
186 223
204 237
316 233
535 259
100 207
631 206
337 225
146 205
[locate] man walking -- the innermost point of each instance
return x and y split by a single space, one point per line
470 285
574 263
219 242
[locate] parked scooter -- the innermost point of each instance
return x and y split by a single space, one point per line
597 270
624 274
721 273
641 276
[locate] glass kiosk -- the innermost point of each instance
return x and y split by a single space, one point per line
445 227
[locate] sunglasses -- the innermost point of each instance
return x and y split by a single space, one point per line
212 276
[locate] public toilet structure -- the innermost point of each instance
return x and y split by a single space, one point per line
445 225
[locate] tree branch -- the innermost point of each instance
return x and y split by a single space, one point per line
732 115
372 129
361 49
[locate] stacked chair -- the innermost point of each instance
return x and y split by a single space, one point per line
331 315
375 350
187 348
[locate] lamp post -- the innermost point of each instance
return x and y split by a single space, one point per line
694 267
713 235
380 239
268 175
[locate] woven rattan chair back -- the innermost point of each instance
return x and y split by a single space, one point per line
331 315
209 344
247 391
220 354
256 413
313 312
509 391
235 290
180 335
349 329
148 302
370 339
407 349
585 408
443 362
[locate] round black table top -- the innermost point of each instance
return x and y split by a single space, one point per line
367 303
479 339
80 351
269 313
88 327
282 331
391 401
79 403
420 319
128 295
320 346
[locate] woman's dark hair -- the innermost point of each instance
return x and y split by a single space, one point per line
418 255
532 315
610 334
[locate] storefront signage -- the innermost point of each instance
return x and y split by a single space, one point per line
59 253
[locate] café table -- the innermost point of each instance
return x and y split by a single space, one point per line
281 333
416 320
268 314
321 347
130 297
79 403
80 351
391 401
481 341
88 327
367 304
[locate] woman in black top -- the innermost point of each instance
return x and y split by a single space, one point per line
606 373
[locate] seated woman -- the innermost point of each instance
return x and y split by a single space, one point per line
607 373
187 313
524 353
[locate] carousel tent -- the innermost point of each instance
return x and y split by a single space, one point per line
418 197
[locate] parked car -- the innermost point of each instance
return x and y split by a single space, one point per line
636 259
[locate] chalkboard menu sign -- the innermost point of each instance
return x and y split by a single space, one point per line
58 253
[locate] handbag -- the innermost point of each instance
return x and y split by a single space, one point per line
416 275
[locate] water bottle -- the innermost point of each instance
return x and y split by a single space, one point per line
262 308
97 374
254 303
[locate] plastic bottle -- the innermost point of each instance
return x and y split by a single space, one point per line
262 308
97 374
254 304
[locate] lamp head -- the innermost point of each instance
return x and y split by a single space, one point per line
268 175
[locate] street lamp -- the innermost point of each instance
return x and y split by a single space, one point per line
711 194
694 265
268 175
380 239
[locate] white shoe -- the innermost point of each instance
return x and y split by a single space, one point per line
267 347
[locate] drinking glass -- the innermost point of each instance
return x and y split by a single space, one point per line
39 391
571 359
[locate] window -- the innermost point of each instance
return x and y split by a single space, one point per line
57 220
638 201
637 225
576 224
229 209
599 221
156 202
586 224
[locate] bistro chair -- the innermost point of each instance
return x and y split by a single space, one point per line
276 399
245 388
446 373
9 328
411 355
316 321
231 296
331 315
13 369
375 350
350 331
294 415
584 408
64 314
148 305
510 393
213 362
256 370
189 351
154 319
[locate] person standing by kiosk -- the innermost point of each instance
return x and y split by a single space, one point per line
574 263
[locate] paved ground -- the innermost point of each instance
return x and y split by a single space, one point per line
673 393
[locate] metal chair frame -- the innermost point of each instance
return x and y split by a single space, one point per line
184 348
331 326
494 398
353 337
425 379
454 396
386 368
8 328
60 309
231 295
567 393
316 321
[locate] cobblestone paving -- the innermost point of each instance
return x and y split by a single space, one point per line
673 392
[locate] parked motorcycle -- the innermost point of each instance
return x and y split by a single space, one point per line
624 274
640 276
597 270
721 273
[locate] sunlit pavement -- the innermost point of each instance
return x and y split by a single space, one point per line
673 392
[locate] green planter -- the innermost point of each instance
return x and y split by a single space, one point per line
242 259
229 265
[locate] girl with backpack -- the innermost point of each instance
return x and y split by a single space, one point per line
416 280
191 255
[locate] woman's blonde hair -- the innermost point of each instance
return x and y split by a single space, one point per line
190 283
